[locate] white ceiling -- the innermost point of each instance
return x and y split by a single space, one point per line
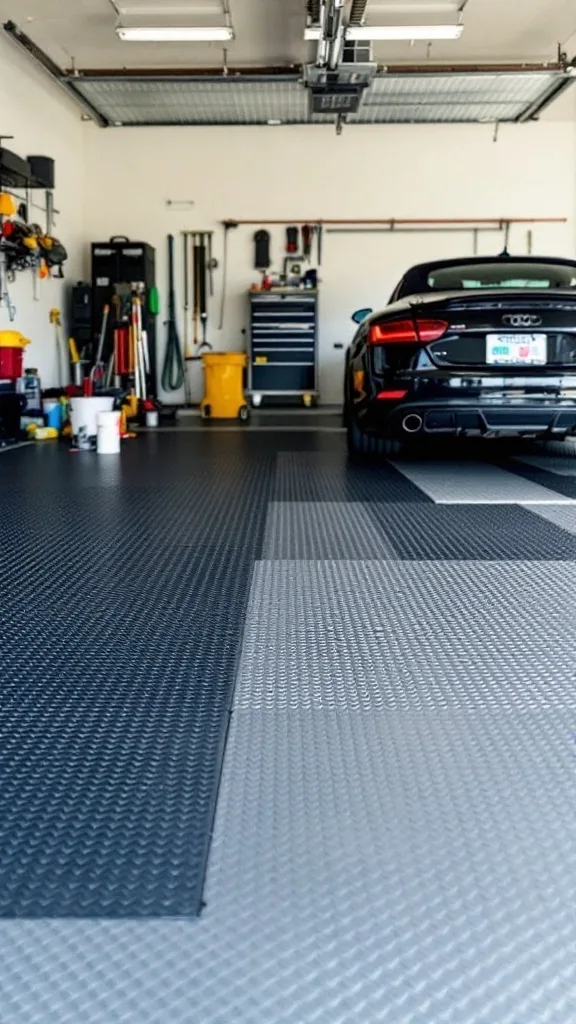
270 32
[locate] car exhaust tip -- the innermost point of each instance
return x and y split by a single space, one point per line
412 424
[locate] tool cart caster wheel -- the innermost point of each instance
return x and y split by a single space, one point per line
206 412
256 401
244 413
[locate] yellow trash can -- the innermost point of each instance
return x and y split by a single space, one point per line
224 397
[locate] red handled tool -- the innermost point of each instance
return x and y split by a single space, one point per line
292 239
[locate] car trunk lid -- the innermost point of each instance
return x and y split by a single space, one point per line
502 329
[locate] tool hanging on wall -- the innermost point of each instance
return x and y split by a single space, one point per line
262 249
186 265
319 233
212 265
200 290
173 373
56 320
5 299
196 289
292 240
227 227
307 233
187 345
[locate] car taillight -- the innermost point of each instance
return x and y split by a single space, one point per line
404 332
392 396
431 330
396 331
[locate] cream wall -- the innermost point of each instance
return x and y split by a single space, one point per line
302 174
117 181
43 121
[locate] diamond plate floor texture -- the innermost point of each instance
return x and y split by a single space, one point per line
394 838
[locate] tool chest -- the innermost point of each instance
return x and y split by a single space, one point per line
283 344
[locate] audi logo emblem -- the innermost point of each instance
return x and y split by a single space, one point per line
521 320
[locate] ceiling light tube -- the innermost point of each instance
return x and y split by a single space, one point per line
175 34
394 33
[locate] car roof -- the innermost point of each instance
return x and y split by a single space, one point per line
474 261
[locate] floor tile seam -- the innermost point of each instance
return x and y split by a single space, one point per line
448 559
302 710
552 562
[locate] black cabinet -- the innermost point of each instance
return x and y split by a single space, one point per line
120 261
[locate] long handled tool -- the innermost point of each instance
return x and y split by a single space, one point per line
211 266
196 299
173 374
320 230
227 226
187 346
99 369
186 264
140 386
75 361
56 319
5 299
202 290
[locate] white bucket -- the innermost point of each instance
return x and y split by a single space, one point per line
108 440
84 420
152 418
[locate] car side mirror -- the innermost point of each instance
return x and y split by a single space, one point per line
360 315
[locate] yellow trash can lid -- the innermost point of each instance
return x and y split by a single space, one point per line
220 358
13 339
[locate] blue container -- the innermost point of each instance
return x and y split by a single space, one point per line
52 409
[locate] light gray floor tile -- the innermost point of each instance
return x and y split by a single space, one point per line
378 635
323 529
470 483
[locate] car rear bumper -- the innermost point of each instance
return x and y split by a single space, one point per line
488 418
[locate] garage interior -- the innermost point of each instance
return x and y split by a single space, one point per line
286 736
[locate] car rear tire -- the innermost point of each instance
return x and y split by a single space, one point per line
365 446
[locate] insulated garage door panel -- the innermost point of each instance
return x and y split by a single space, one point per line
403 98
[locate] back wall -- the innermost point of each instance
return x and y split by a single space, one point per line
303 173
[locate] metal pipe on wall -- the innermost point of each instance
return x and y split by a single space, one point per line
500 222
456 230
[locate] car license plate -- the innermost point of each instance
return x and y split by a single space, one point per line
516 349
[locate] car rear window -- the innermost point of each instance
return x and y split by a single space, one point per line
498 275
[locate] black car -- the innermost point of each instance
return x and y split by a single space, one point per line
470 347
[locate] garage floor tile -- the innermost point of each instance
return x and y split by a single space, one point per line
453 483
394 840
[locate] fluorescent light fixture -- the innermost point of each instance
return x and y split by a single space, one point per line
163 10
394 33
175 34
